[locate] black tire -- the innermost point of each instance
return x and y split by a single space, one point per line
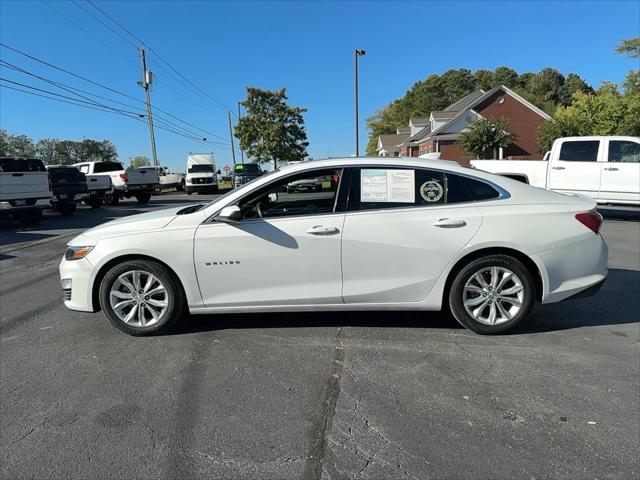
112 199
143 198
175 296
189 192
94 203
66 208
456 293
181 187
28 217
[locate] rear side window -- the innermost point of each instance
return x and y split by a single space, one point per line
580 151
13 164
384 188
624 151
102 167
479 190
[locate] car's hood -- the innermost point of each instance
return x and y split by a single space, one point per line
131 224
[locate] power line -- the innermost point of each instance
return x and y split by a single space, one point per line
80 27
193 86
92 105
106 88
73 90
103 23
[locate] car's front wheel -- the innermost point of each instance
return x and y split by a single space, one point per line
492 294
141 297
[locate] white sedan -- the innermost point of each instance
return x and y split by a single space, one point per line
389 234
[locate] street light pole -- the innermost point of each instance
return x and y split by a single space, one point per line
357 53
147 78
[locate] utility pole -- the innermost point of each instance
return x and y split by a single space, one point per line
357 53
240 146
233 149
147 80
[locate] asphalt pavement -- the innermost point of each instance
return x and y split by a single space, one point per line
310 395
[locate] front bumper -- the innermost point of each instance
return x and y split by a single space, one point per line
574 268
78 296
202 188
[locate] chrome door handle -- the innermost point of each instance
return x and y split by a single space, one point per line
323 230
611 169
449 223
557 168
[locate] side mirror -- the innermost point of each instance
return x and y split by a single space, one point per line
229 214
272 197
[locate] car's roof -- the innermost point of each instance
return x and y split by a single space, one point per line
375 161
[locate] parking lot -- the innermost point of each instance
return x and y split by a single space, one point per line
323 395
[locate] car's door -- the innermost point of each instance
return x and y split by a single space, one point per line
621 172
576 169
403 226
284 251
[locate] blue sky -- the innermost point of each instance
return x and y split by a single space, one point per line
306 47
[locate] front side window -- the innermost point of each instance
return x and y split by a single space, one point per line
580 151
384 188
624 151
308 193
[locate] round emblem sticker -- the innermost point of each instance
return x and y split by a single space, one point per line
431 191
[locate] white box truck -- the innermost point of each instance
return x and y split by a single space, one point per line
202 176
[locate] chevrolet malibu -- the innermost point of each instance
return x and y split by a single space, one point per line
395 234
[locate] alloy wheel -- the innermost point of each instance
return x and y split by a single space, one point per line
139 298
493 295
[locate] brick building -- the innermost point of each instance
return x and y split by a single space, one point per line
440 132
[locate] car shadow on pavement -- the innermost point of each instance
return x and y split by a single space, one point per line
620 213
615 304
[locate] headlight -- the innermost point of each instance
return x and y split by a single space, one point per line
76 253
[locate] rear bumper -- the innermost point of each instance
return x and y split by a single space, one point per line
575 268
39 203
143 188
588 292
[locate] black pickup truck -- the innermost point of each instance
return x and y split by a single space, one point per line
69 186
245 172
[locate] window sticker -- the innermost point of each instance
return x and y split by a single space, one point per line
431 191
378 185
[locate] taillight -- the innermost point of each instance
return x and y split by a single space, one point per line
592 220
123 177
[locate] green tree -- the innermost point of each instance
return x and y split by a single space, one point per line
271 130
485 136
47 151
18 145
573 84
505 76
548 84
630 47
484 79
139 161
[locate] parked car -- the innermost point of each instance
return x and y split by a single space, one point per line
400 234
99 186
305 185
24 189
126 184
68 188
168 179
604 168
245 172
202 176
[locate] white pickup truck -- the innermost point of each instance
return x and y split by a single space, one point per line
126 184
604 168
168 179
24 189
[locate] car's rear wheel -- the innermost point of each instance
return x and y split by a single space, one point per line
112 198
141 297
492 294
143 198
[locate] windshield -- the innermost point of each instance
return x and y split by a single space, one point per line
247 168
200 168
